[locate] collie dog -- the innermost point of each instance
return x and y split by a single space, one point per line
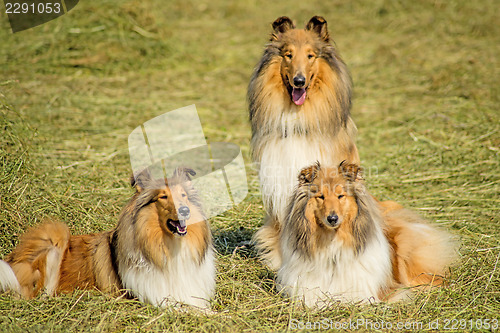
342 244
160 252
299 103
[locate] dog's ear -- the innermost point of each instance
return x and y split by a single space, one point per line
351 172
140 179
184 172
281 25
308 174
318 25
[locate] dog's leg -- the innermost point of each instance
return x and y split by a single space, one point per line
267 240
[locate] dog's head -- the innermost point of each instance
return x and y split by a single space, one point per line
330 194
328 204
174 200
299 50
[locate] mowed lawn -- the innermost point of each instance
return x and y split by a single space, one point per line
426 103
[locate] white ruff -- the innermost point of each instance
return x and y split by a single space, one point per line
281 161
182 279
336 272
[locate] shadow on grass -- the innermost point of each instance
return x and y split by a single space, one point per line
236 240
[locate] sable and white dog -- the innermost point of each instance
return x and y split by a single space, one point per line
157 252
299 102
340 243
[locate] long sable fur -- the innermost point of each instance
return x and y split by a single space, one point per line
383 242
361 229
287 136
259 91
50 259
331 89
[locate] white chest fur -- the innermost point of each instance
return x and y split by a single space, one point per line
282 159
182 279
336 273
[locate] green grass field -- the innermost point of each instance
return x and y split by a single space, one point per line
426 76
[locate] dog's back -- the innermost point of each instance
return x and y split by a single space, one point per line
88 262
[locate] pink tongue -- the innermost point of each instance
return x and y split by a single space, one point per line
298 96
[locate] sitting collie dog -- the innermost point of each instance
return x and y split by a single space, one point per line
154 252
342 244
299 103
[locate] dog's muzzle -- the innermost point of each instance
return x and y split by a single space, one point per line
184 213
333 219
179 226
299 81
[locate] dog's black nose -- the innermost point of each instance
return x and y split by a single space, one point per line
332 219
184 212
299 81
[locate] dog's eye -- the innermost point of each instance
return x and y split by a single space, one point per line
289 55
164 197
341 196
310 56
183 195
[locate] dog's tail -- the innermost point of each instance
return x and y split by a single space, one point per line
8 280
422 253
35 263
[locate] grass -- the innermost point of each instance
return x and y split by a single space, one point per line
426 103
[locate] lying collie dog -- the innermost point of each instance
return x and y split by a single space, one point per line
342 244
160 251
299 102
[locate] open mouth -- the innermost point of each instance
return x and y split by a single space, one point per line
299 95
177 227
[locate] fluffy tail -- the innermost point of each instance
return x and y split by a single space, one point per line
421 253
36 261
8 280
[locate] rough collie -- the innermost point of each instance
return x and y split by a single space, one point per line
156 252
342 244
299 103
